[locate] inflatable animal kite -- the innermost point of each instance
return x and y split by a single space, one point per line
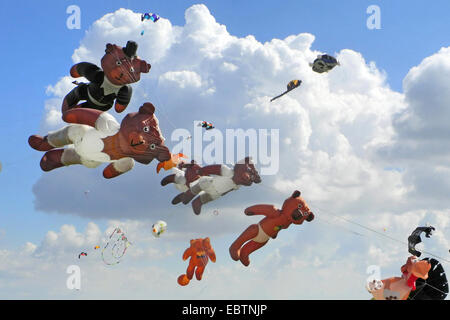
199 252
110 84
224 180
98 138
294 210
183 175
399 288
414 239
435 287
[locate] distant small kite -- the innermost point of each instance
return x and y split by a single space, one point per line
290 86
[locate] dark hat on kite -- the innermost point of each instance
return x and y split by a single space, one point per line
130 49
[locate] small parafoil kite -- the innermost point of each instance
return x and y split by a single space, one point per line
174 160
435 287
159 228
84 254
324 63
290 86
96 247
414 239
150 16
206 125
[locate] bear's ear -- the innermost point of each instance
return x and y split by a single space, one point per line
144 67
147 108
109 48
296 194
130 49
192 242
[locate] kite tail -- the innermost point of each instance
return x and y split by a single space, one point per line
279 96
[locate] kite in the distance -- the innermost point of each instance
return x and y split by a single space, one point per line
414 239
84 254
290 86
159 228
324 63
206 125
150 16
115 248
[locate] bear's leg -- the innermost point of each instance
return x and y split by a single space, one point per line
58 158
168 179
39 143
199 271
250 233
188 196
248 248
118 167
66 135
190 269
73 97
52 160
199 201
178 198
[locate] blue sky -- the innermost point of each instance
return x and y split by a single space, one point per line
37 49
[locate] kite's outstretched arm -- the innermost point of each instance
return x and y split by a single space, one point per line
187 253
267 210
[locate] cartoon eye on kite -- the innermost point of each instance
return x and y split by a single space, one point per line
118 62
131 69
152 146
146 129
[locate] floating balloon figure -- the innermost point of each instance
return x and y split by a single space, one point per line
294 211
223 180
399 288
98 138
199 252
435 287
159 228
109 85
324 63
184 174
290 86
